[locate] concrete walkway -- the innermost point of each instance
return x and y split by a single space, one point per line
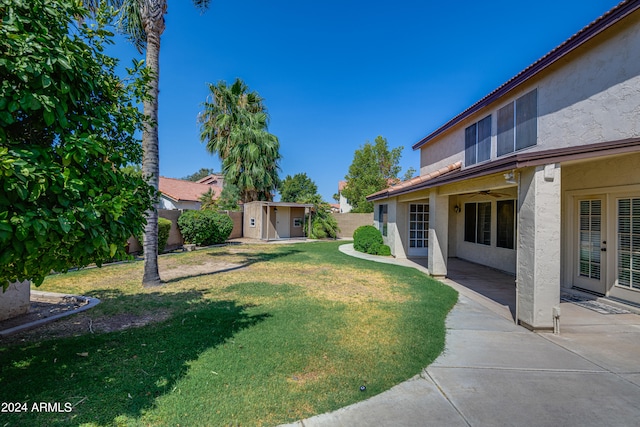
494 373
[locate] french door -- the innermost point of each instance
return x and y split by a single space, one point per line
418 229
590 260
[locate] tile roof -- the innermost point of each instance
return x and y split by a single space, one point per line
404 186
213 179
596 27
182 190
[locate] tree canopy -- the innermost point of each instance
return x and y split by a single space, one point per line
234 126
67 130
202 173
374 168
297 188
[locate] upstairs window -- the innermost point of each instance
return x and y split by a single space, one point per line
518 124
477 142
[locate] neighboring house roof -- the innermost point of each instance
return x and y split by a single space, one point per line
341 185
181 190
413 183
213 179
581 37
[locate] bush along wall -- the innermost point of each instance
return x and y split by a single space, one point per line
164 228
368 239
205 227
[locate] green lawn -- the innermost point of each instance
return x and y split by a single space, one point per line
286 332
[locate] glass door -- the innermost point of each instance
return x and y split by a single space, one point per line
589 273
418 229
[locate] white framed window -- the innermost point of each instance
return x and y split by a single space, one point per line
518 124
297 222
252 222
477 142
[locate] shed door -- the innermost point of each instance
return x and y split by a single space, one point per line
283 226
418 229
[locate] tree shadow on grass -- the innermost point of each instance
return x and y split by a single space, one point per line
104 376
249 258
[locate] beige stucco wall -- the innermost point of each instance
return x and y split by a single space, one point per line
590 96
253 210
490 255
538 245
296 213
348 222
15 300
596 96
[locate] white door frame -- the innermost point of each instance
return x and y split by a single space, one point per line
590 260
283 222
418 236
611 195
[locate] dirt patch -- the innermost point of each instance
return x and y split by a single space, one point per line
84 323
174 272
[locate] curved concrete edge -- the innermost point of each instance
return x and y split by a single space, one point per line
348 249
91 302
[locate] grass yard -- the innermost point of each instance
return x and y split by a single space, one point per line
278 333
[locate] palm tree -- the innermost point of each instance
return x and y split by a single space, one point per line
234 126
143 22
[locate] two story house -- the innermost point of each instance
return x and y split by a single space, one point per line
540 178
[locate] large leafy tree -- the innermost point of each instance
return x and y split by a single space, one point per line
143 22
374 168
67 126
234 126
297 188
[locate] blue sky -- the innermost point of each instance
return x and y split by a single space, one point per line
336 74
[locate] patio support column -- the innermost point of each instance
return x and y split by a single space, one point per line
438 234
268 221
538 245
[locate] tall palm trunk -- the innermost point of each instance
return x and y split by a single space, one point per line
152 14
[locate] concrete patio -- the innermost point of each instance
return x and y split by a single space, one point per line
495 373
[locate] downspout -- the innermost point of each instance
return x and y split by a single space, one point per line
517 251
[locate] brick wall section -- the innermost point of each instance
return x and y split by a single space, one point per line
348 222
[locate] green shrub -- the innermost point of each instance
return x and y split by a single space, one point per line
367 239
384 250
205 227
164 228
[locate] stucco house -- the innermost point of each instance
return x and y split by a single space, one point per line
275 220
182 194
345 207
540 178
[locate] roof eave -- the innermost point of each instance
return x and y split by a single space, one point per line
586 34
